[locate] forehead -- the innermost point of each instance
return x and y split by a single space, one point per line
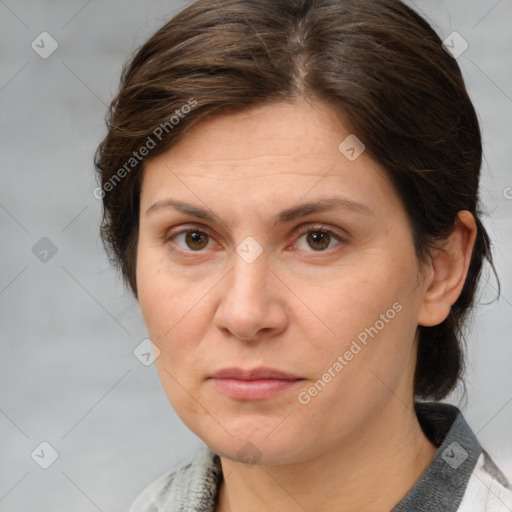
266 154
285 131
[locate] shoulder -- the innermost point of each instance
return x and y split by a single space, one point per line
488 489
190 484
147 499
462 477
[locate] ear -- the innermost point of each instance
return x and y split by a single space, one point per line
448 270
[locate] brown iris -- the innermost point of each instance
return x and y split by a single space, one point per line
196 240
318 240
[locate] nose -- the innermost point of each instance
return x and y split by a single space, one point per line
251 306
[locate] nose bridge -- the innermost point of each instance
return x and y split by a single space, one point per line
249 275
246 307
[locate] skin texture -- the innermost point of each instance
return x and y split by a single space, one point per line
356 444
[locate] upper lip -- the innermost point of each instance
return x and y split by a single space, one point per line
256 373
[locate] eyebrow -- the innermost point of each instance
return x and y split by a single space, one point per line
287 215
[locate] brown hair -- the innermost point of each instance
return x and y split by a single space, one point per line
378 62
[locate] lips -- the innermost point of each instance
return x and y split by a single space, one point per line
255 384
255 374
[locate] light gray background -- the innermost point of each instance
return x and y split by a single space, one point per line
68 375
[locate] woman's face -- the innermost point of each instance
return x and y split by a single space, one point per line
242 275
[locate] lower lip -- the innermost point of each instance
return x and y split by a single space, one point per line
258 389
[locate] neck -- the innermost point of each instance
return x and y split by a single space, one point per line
371 472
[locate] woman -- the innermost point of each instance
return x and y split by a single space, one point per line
290 189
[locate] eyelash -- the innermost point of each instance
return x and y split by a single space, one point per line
302 230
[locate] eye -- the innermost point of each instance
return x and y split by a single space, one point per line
190 240
317 238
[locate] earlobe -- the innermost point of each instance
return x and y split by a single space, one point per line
449 268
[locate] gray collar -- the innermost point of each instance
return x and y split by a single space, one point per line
443 483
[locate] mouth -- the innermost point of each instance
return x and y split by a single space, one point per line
256 384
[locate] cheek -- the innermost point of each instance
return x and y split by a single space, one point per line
174 310
160 293
367 316
355 298
171 308
157 298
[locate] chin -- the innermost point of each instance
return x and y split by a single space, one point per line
250 443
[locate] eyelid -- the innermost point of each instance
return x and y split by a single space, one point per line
184 228
307 228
